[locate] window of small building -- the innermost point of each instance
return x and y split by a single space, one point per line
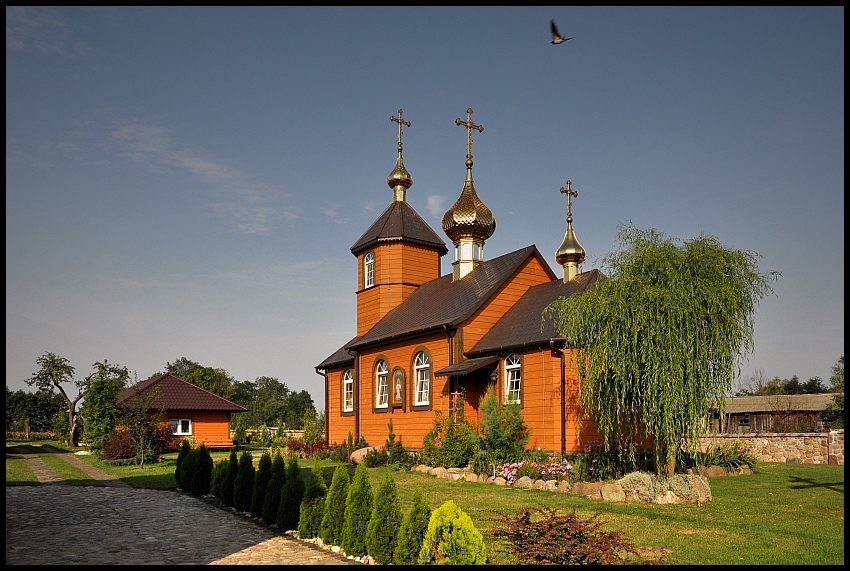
180 426
348 392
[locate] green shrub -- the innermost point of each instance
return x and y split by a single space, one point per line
449 443
201 471
289 511
313 503
243 485
384 522
185 448
543 536
504 433
187 470
452 538
229 479
358 512
726 455
261 482
271 502
414 524
334 516
219 474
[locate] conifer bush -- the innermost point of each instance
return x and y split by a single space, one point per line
289 510
261 482
452 538
411 533
383 526
219 473
334 516
313 503
201 471
358 512
229 479
450 441
271 502
187 470
504 433
243 485
185 448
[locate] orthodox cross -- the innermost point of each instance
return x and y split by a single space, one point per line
570 194
400 122
469 127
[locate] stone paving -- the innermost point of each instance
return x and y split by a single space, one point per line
114 524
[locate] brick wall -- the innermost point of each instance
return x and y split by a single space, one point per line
804 448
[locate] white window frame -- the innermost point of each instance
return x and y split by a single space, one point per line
422 374
382 384
513 379
180 426
348 392
369 269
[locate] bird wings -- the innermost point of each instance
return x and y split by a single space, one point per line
557 38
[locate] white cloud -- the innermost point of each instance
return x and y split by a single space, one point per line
436 205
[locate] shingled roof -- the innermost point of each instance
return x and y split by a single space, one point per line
399 222
339 357
442 301
523 325
177 394
774 403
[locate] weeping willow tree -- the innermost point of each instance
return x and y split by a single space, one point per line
662 338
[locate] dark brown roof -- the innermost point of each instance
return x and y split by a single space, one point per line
442 301
339 358
523 325
399 222
466 367
177 394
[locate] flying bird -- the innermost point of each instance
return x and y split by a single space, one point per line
557 38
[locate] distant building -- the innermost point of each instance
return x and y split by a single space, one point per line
772 413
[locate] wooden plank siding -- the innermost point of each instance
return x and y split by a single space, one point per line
399 269
208 426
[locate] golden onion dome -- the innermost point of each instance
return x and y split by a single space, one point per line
468 217
399 177
570 250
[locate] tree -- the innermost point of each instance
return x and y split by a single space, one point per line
504 433
334 516
296 407
36 409
289 511
661 339
216 381
185 449
140 420
229 481
261 483
411 533
358 512
271 502
834 411
243 485
181 367
452 538
383 526
99 412
54 371
313 503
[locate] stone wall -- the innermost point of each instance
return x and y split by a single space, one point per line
803 448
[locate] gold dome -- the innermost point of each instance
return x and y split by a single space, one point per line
399 180
468 217
570 251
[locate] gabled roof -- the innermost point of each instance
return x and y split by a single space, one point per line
177 394
778 403
399 222
442 301
523 324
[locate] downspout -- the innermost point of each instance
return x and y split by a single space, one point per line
563 395
327 403
450 341
356 393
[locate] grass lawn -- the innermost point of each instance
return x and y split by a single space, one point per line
783 514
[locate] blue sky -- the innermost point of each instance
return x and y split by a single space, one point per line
187 182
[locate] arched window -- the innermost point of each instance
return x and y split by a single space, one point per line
382 384
513 379
422 374
369 269
348 392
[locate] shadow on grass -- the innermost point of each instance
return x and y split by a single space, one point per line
807 483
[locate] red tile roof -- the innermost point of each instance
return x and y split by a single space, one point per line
177 394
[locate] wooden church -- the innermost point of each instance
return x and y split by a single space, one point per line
426 343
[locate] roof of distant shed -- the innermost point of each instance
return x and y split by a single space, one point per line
176 394
778 403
